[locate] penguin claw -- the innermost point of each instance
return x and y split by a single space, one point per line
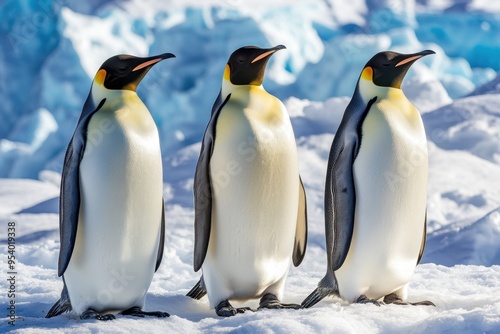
92 314
424 303
270 301
243 309
225 309
106 317
394 299
365 300
137 312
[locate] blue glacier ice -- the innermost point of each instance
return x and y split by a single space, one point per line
50 50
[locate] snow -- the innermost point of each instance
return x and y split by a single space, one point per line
465 295
456 90
471 123
460 271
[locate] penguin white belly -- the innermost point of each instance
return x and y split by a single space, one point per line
255 179
117 240
390 174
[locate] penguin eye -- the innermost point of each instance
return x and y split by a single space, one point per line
241 60
386 64
122 69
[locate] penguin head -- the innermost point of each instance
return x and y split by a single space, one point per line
246 66
388 68
126 72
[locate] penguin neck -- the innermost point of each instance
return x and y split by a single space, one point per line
100 92
368 90
230 88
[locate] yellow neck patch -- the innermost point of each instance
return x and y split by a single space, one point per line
100 76
131 86
227 73
367 73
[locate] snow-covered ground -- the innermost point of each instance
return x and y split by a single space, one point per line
460 271
328 43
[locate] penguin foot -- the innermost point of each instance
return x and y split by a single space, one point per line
316 296
394 299
92 314
272 302
137 312
365 300
225 309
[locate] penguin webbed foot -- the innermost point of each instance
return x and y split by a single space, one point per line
317 295
225 309
270 301
394 299
136 311
93 314
365 300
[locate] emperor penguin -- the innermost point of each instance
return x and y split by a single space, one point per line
250 203
376 189
112 219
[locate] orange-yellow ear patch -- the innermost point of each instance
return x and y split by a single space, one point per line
227 73
367 73
100 76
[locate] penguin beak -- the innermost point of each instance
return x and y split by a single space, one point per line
410 58
268 52
143 67
150 61
393 77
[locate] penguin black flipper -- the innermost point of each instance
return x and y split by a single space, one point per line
203 188
161 245
218 104
69 203
340 195
424 238
299 247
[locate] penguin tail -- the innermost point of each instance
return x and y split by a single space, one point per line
315 296
61 306
198 291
